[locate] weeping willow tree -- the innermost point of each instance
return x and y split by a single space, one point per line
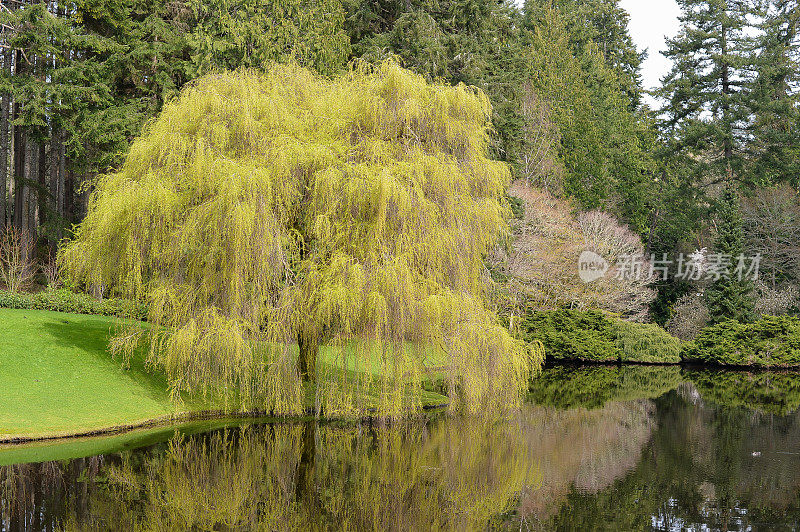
271 220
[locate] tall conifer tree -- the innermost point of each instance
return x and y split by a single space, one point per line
708 88
730 296
775 146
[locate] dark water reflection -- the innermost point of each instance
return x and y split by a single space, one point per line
594 448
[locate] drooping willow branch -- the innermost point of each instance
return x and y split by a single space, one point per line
260 211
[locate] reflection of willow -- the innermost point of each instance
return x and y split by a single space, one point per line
448 475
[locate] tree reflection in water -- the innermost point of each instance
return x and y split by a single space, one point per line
676 461
447 474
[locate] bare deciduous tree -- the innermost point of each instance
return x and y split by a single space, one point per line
778 300
17 267
542 263
539 161
689 316
771 222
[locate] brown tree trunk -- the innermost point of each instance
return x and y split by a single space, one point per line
41 193
19 170
726 91
5 148
30 175
55 186
307 362
69 195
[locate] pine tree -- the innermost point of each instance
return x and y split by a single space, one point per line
476 42
707 90
230 34
604 144
775 147
604 23
730 297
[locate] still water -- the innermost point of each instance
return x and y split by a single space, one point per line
593 448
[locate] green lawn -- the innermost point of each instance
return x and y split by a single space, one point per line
57 378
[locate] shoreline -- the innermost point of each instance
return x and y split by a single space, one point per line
682 364
188 417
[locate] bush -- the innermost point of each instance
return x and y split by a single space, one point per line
592 336
66 301
541 264
773 341
14 299
688 317
17 268
573 335
646 342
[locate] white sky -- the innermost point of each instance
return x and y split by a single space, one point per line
652 21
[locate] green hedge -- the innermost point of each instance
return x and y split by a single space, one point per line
572 335
772 341
647 343
591 336
66 301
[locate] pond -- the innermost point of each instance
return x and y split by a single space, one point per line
631 448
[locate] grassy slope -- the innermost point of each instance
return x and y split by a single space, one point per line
57 378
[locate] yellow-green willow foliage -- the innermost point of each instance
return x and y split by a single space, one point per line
262 211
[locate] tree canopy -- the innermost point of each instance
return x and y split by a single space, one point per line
262 212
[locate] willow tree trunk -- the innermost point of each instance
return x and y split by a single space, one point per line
307 361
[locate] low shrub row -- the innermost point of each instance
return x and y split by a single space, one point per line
771 342
64 300
592 336
646 342
572 335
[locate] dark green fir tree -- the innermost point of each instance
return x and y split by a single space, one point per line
730 296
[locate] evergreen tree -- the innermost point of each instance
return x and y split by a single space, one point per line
730 297
707 90
476 42
604 23
604 145
774 150
230 34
